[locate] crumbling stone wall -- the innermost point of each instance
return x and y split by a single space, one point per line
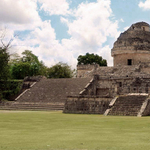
140 70
140 26
147 109
125 85
86 104
112 86
133 44
122 59
90 88
84 71
134 85
100 86
29 80
106 87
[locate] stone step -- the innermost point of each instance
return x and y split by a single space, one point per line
128 105
31 106
54 90
41 109
28 105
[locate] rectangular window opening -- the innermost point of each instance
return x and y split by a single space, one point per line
129 62
120 84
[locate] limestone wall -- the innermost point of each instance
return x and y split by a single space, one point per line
86 105
119 86
106 87
145 70
122 59
119 70
133 85
83 71
145 28
147 109
90 88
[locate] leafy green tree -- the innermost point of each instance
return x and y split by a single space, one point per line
91 59
60 70
32 60
27 65
42 69
4 67
20 70
4 56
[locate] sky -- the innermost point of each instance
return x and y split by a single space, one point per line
61 30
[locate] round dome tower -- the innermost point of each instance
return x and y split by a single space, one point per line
132 46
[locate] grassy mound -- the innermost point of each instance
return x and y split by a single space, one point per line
57 131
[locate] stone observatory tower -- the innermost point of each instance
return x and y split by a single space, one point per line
133 46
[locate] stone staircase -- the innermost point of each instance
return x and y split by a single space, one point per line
32 106
128 105
47 94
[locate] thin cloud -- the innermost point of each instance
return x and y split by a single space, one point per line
55 7
145 5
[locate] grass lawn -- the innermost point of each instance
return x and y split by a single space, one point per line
57 131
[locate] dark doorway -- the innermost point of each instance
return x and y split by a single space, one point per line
129 62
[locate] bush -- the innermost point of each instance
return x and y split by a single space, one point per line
10 88
60 70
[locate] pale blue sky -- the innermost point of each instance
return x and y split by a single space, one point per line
61 30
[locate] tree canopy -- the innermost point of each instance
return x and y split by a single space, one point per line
27 65
91 59
4 68
4 58
60 70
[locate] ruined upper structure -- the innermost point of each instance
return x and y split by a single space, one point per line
131 54
133 46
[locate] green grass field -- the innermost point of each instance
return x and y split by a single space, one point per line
57 131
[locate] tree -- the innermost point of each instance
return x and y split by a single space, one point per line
42 69
27 65
20 70
60 70
32 60
91 59
4 58
4 68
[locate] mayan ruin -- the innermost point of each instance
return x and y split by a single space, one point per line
124 88
119 90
